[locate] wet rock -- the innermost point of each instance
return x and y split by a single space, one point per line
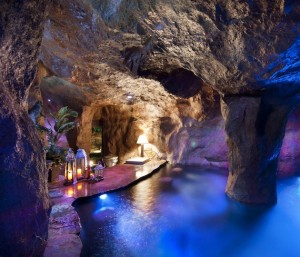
63 246
64 228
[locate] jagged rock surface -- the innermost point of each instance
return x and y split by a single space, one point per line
176 58
253 153
24 205
64 228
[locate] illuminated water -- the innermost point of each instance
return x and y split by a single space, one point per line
186 214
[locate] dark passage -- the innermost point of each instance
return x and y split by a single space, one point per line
186 213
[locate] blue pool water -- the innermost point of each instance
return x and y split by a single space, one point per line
186 214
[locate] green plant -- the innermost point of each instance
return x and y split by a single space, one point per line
61 126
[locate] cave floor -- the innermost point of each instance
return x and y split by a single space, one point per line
64 223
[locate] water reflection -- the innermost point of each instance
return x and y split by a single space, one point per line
142 194
187 214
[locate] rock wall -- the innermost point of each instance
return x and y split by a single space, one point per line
177 58
24 205
200 143
289 159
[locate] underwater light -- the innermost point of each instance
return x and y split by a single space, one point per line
103 197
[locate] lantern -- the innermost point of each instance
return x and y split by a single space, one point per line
81 163
70 177
99 170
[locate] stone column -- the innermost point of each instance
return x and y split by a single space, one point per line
255 129
24 204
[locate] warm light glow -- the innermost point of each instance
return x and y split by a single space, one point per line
142 140
69 175
79 187
79 172
70 192
91 163
143 194
139 174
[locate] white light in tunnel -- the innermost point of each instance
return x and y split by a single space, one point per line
49 100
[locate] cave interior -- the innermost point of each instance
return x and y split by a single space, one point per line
210 84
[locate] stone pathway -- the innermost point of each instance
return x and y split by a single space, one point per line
64 223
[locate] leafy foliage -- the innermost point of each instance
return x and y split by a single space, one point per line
62 125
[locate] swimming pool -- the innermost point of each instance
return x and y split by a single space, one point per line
178 213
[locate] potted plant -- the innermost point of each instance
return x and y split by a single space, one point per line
60 125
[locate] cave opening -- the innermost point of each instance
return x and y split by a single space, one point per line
96 142
109 131
180 82
96 152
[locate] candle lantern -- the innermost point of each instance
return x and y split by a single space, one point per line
99 170
81 163
70 176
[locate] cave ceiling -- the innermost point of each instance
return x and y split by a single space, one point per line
172 47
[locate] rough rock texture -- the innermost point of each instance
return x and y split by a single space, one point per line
176 58
24 203
289 159
64 228
100 73
200 143
253 153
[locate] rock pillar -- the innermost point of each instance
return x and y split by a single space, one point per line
255 129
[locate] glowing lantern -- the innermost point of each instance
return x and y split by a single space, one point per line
141 141
70 177
99 170
81 163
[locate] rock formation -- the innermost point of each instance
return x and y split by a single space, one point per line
156 67
177 59
24 203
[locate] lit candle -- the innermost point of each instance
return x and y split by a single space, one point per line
69 175
79 172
